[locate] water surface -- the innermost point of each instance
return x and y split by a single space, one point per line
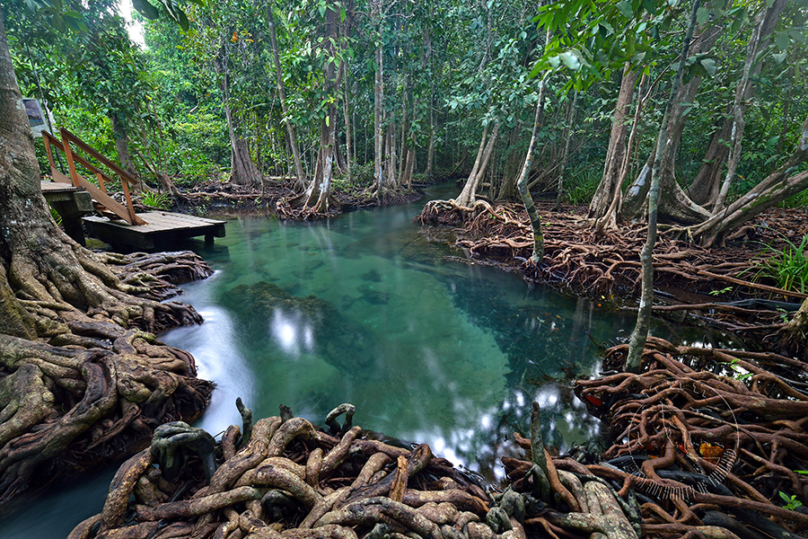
364 309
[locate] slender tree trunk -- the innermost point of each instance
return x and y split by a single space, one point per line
640 333
775 188
674 205
738 123
347 114
430 153
287 120
467 197
527 199
378 102
565 155
705 187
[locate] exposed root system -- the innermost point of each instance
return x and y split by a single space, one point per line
705 439
608 266
283 478
94 385
278 195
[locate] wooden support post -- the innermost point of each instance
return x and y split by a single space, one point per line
101 181
74 176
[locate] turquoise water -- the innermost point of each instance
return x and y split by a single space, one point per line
428 350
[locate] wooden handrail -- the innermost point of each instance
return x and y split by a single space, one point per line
70 137
127 213
51 140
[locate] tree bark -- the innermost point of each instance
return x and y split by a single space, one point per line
467 196
705 186
378 104
527 199
242 168
565 155
122 147
287 120
601 207
674 204
640 333
775 188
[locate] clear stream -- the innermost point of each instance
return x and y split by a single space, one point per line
428 350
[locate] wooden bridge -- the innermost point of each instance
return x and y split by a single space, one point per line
74 197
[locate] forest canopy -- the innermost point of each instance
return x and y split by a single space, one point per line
377 94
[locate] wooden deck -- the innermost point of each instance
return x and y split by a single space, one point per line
72 203
161 230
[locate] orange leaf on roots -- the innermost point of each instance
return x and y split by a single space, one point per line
594 400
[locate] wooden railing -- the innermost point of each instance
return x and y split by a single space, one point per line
98 192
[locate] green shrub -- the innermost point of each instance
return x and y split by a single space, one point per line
153 199
580 186
787 267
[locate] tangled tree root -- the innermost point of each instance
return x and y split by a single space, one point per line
94 385
608 266
706 440
294 481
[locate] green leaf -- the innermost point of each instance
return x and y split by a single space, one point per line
702 15
625 9
785 496
146 9
709 65
782 39
780 57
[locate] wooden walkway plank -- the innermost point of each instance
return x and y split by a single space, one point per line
162 229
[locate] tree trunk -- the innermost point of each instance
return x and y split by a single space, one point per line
674 204
565 155
122 147
775 188
430 153
242 169
705 187
347 114
378 106
467 196
640 333
602 208
527 199
58 387
287 120
738 123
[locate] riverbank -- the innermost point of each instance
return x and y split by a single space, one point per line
93 386
273 197
723 287
690 458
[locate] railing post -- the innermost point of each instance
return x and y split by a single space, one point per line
74 176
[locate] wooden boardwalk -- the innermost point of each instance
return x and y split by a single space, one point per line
162 229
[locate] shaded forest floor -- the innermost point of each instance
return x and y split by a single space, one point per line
727 287
273 197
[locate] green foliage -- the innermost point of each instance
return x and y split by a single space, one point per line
580 186
792 502
787 267
56 216
721 291
154 199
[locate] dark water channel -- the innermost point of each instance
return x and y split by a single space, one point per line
364 309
